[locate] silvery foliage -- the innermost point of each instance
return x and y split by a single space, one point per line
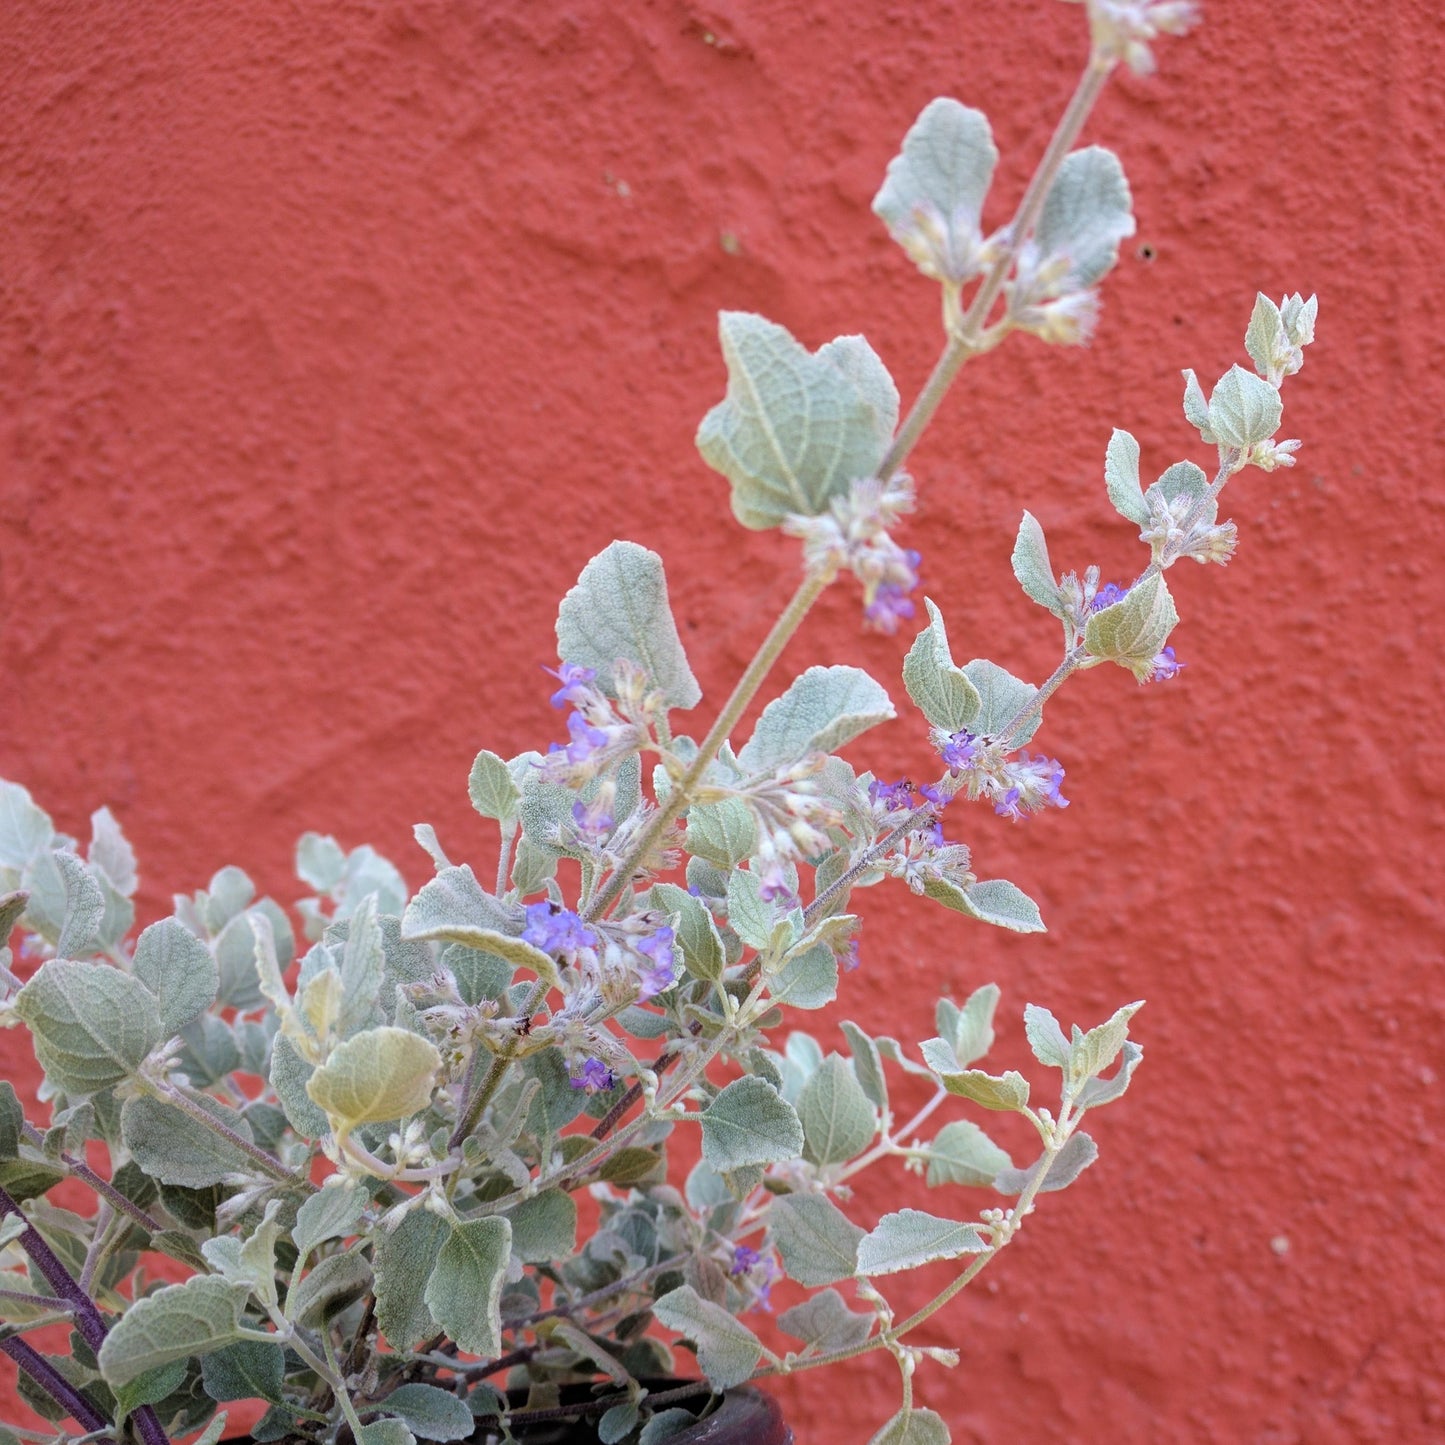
457 1063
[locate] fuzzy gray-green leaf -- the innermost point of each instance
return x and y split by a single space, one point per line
938 686
1077 1154
544 1227
911 1238
1086 213
1132 631
92 1024
491 788
404 1261
995 901
430 1413
817 1241
246 1370
375 1076
177 1149
330 1213
867 1064
1032 567
913 1427
1121 477
702 947
822 709
795 428
838 1121
932 198
748 1123
175 1323
84 907
824 1321
808 980
465 1289
1243 409
336 1282
619 609
723 833
1002 698
179 970
727 1350
963 1154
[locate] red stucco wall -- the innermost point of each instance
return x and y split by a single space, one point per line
334 339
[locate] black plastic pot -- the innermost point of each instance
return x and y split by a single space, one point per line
744 1417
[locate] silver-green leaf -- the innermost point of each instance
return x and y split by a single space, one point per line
796 428
749 1123
1132 631
822 709
1086 213
1032 567
938 686
431 1413
911 1238
175 1323
464 1292
932 198
913 1427
727 1350
618 609
1121 477
174 1148
92 1024
838 1121
1243 409
179 970
817 1241
963 1154
375 1076
491 788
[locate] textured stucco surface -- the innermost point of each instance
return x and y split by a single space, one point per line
334 339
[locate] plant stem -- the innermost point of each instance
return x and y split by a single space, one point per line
107 1191
86 1316
98 1246
55 1385
883 1340
965 340
268 1163
809 590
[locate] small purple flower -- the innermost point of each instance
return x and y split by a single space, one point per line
894 796
575 682
1008 805
774 886
593 820
960 750
586 739
556 930
744 1259
890 606
761 1267
594 1076
851 959
1107 596
934 794
662 973
1166 666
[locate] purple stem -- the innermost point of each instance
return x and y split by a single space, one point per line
54 1384
87 1317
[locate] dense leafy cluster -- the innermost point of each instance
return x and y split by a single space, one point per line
366 1146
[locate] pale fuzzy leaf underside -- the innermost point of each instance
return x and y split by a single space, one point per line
817 1241
796 428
